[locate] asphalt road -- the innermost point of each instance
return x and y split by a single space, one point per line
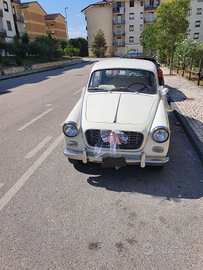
54 215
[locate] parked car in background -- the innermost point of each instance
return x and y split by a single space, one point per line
134 55
120 118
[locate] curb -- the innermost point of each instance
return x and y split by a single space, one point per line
191 135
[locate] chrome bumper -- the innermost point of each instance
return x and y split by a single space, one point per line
142 160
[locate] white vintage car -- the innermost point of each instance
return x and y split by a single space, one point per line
121 117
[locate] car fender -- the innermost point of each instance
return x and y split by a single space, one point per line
160 120
75 114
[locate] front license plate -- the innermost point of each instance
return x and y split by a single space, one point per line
113 162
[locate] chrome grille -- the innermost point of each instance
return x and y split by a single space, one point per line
134 142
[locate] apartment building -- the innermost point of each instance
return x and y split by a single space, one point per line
34 23
11 20
196 20
122 22
37 22
55 25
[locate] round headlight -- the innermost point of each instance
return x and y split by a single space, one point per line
70 129
160 134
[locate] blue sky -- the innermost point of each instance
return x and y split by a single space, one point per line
76 19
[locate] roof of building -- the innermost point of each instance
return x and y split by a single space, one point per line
34 2
104 2
52 16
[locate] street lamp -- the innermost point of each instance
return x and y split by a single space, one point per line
67 32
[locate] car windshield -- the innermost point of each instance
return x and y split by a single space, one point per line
125 80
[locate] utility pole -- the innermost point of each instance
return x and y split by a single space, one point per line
67 32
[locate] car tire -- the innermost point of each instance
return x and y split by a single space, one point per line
74 161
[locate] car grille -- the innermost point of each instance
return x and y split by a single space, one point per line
134 142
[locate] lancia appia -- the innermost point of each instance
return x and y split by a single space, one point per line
121 117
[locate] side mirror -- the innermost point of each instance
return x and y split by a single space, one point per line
162 90
165 90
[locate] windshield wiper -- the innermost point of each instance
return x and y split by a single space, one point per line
97 88
123 89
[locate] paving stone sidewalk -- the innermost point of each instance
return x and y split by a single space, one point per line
187 104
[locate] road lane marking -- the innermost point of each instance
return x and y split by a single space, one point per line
77 91
16 187
34 120
38 147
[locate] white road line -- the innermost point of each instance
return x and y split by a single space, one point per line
38 147
16 187
77 91
34 120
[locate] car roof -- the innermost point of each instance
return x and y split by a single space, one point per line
126 64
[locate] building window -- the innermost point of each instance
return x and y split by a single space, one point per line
5 6
52 32
140 27
131 39
131 16
9 25
141 3
197 23
24 25
118 30
200 1
118 4
141 15
51 24
196 35
132 3
199 11
131 28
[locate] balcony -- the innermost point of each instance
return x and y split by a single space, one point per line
16 2
150 20
119 22
119 44
119 33
150 7
18 18
120 10
1 13
3 32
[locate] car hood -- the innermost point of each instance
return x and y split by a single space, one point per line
120 108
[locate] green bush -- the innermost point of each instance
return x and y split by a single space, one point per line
18 60
6 62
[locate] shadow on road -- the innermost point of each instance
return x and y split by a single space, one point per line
176 181
37 77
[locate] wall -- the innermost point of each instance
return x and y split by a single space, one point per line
34 20
99 17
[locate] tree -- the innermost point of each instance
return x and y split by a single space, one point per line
149 40
99 44
189 48
25 38
172 22
84 46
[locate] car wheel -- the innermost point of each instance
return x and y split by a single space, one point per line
74 161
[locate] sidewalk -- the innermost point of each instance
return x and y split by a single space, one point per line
187 104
